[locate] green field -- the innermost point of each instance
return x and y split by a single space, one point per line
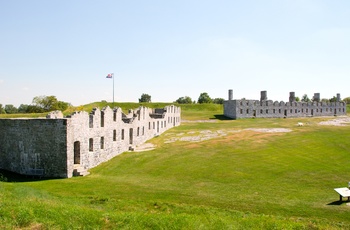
218 174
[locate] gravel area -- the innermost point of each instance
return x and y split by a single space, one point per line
207 134
272 130
144 147
342 121
198 121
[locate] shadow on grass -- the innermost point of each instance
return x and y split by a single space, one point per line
221 117
7 176
339 202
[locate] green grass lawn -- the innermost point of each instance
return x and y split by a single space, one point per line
239 179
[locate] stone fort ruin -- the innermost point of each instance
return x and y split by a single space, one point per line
58 146
237 109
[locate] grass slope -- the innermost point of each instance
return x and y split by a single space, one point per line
240 180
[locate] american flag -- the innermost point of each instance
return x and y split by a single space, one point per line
110 75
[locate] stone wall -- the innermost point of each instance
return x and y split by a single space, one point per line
105 133
237 109
59 147
34 146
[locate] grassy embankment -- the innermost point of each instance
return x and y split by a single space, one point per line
240 180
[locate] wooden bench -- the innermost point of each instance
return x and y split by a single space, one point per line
343 192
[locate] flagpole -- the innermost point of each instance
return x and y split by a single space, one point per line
113 89
111 75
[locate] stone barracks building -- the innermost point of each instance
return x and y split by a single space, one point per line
63 147
237 109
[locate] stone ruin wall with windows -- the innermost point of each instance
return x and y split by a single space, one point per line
63 147
264 108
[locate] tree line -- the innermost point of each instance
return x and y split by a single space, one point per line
40 104
305 98
203 98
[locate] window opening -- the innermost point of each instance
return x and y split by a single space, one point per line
91 144
102 143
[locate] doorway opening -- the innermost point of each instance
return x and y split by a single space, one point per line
77 152
131 134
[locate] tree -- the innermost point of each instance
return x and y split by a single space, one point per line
45 102
145 98
61 105
347 100
23 108
34 109
305 98
184 100
333 99
49 103
218 101
2 109
10 109
324 100
204 98
297 99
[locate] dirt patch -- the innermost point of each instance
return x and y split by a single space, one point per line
198 121
144 147
194 136
273 130
342 121
249 135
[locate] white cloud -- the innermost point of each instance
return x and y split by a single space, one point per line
1 81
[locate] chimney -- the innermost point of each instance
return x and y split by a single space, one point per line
263 96
230 94
291 96
317 97
338 97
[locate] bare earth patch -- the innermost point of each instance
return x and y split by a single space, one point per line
144 147
343 121
273 130
207 134
198 121
194 136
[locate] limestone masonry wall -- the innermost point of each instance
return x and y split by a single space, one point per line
237 109
63 147
28 146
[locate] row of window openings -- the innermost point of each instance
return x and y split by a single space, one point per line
91 141
102 140
114 119
102 119
123 135
280 104
170 119
291 111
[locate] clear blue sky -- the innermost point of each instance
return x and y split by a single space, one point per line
170 49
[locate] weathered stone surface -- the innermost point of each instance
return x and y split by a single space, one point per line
30 146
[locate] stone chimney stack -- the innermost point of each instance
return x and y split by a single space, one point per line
338 97
317 97
263 96
291 96
230 94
